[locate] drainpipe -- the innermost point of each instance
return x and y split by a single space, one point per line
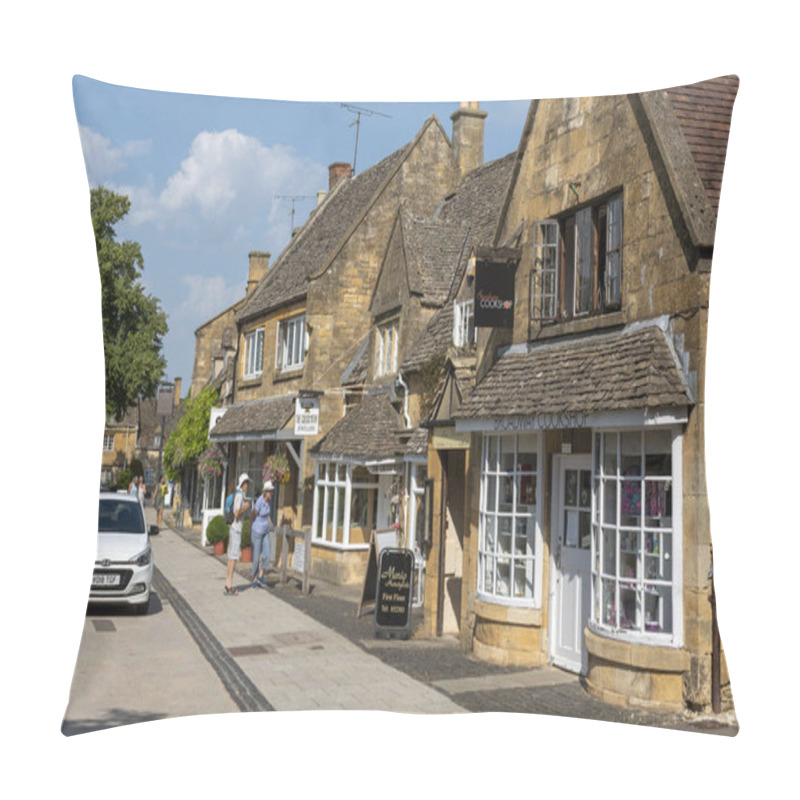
405 399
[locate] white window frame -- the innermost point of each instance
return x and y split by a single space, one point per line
464 331
333 484
108 442
387 344
649 550
291 343
492 517
253 364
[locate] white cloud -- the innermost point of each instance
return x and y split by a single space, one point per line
230 177
104 159
206 296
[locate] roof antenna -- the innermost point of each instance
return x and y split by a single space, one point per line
293 198
358 111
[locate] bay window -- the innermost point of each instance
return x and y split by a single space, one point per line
253 353
577 262
345 504
634 543
509 533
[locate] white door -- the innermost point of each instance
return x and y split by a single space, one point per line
571 533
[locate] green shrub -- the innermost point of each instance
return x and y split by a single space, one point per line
217 530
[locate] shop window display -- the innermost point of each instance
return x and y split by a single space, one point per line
633 532
508 518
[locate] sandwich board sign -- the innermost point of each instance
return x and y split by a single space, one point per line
394 593
378 541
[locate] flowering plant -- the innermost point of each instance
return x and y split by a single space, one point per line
276 469
209 464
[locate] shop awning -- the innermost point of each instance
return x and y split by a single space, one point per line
631 376
258 419
370 433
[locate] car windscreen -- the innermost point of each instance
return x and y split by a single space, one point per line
119 516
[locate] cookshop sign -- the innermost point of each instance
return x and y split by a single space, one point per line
494 294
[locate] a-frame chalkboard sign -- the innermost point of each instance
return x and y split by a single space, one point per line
378 540
395 591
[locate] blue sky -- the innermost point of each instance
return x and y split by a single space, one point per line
209 179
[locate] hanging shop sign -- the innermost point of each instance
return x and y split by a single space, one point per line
306 416
494 294
394 593
215 416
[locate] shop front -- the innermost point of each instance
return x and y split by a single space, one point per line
577 513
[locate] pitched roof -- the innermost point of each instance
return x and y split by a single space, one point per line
434 249
704 113
436 338
253 418
479 197
630 369
368 432
318 240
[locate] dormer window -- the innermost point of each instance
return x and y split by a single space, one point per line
253 353
387 348
577 262
291 343
464 332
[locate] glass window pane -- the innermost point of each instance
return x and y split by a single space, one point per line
610 502
503 585
610 454
609 551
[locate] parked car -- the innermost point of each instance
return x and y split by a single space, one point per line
123 569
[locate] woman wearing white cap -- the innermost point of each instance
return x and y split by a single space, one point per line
259 535
240 508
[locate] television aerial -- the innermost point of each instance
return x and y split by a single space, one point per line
358 111
293 198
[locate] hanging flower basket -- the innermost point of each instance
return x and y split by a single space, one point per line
276 469
210 464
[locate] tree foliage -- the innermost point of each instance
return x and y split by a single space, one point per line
190 439
133 323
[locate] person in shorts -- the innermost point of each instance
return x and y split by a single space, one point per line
240 507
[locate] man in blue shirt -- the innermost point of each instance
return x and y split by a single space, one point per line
259 535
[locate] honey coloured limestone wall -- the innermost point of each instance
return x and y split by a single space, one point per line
210 339
581 150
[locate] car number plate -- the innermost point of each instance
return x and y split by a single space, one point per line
105 580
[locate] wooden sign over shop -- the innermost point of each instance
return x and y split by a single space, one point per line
394 593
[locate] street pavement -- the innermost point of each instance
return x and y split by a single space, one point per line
278 649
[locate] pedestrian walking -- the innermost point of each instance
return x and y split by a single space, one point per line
132 486
140 491
158 499
259 535
240 507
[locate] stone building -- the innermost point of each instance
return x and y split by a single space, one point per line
305 322
573 472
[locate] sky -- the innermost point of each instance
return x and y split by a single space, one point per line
321 51
211 179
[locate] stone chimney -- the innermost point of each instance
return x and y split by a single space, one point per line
177 395
321 195
468 124
259 264
336 172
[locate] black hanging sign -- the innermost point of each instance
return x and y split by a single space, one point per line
494 294
394 593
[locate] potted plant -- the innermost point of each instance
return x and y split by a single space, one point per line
210 463
217 534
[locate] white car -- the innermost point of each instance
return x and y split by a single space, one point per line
123 570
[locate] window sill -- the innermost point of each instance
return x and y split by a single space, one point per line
636 649
252 380
551 330
287 375
496 609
